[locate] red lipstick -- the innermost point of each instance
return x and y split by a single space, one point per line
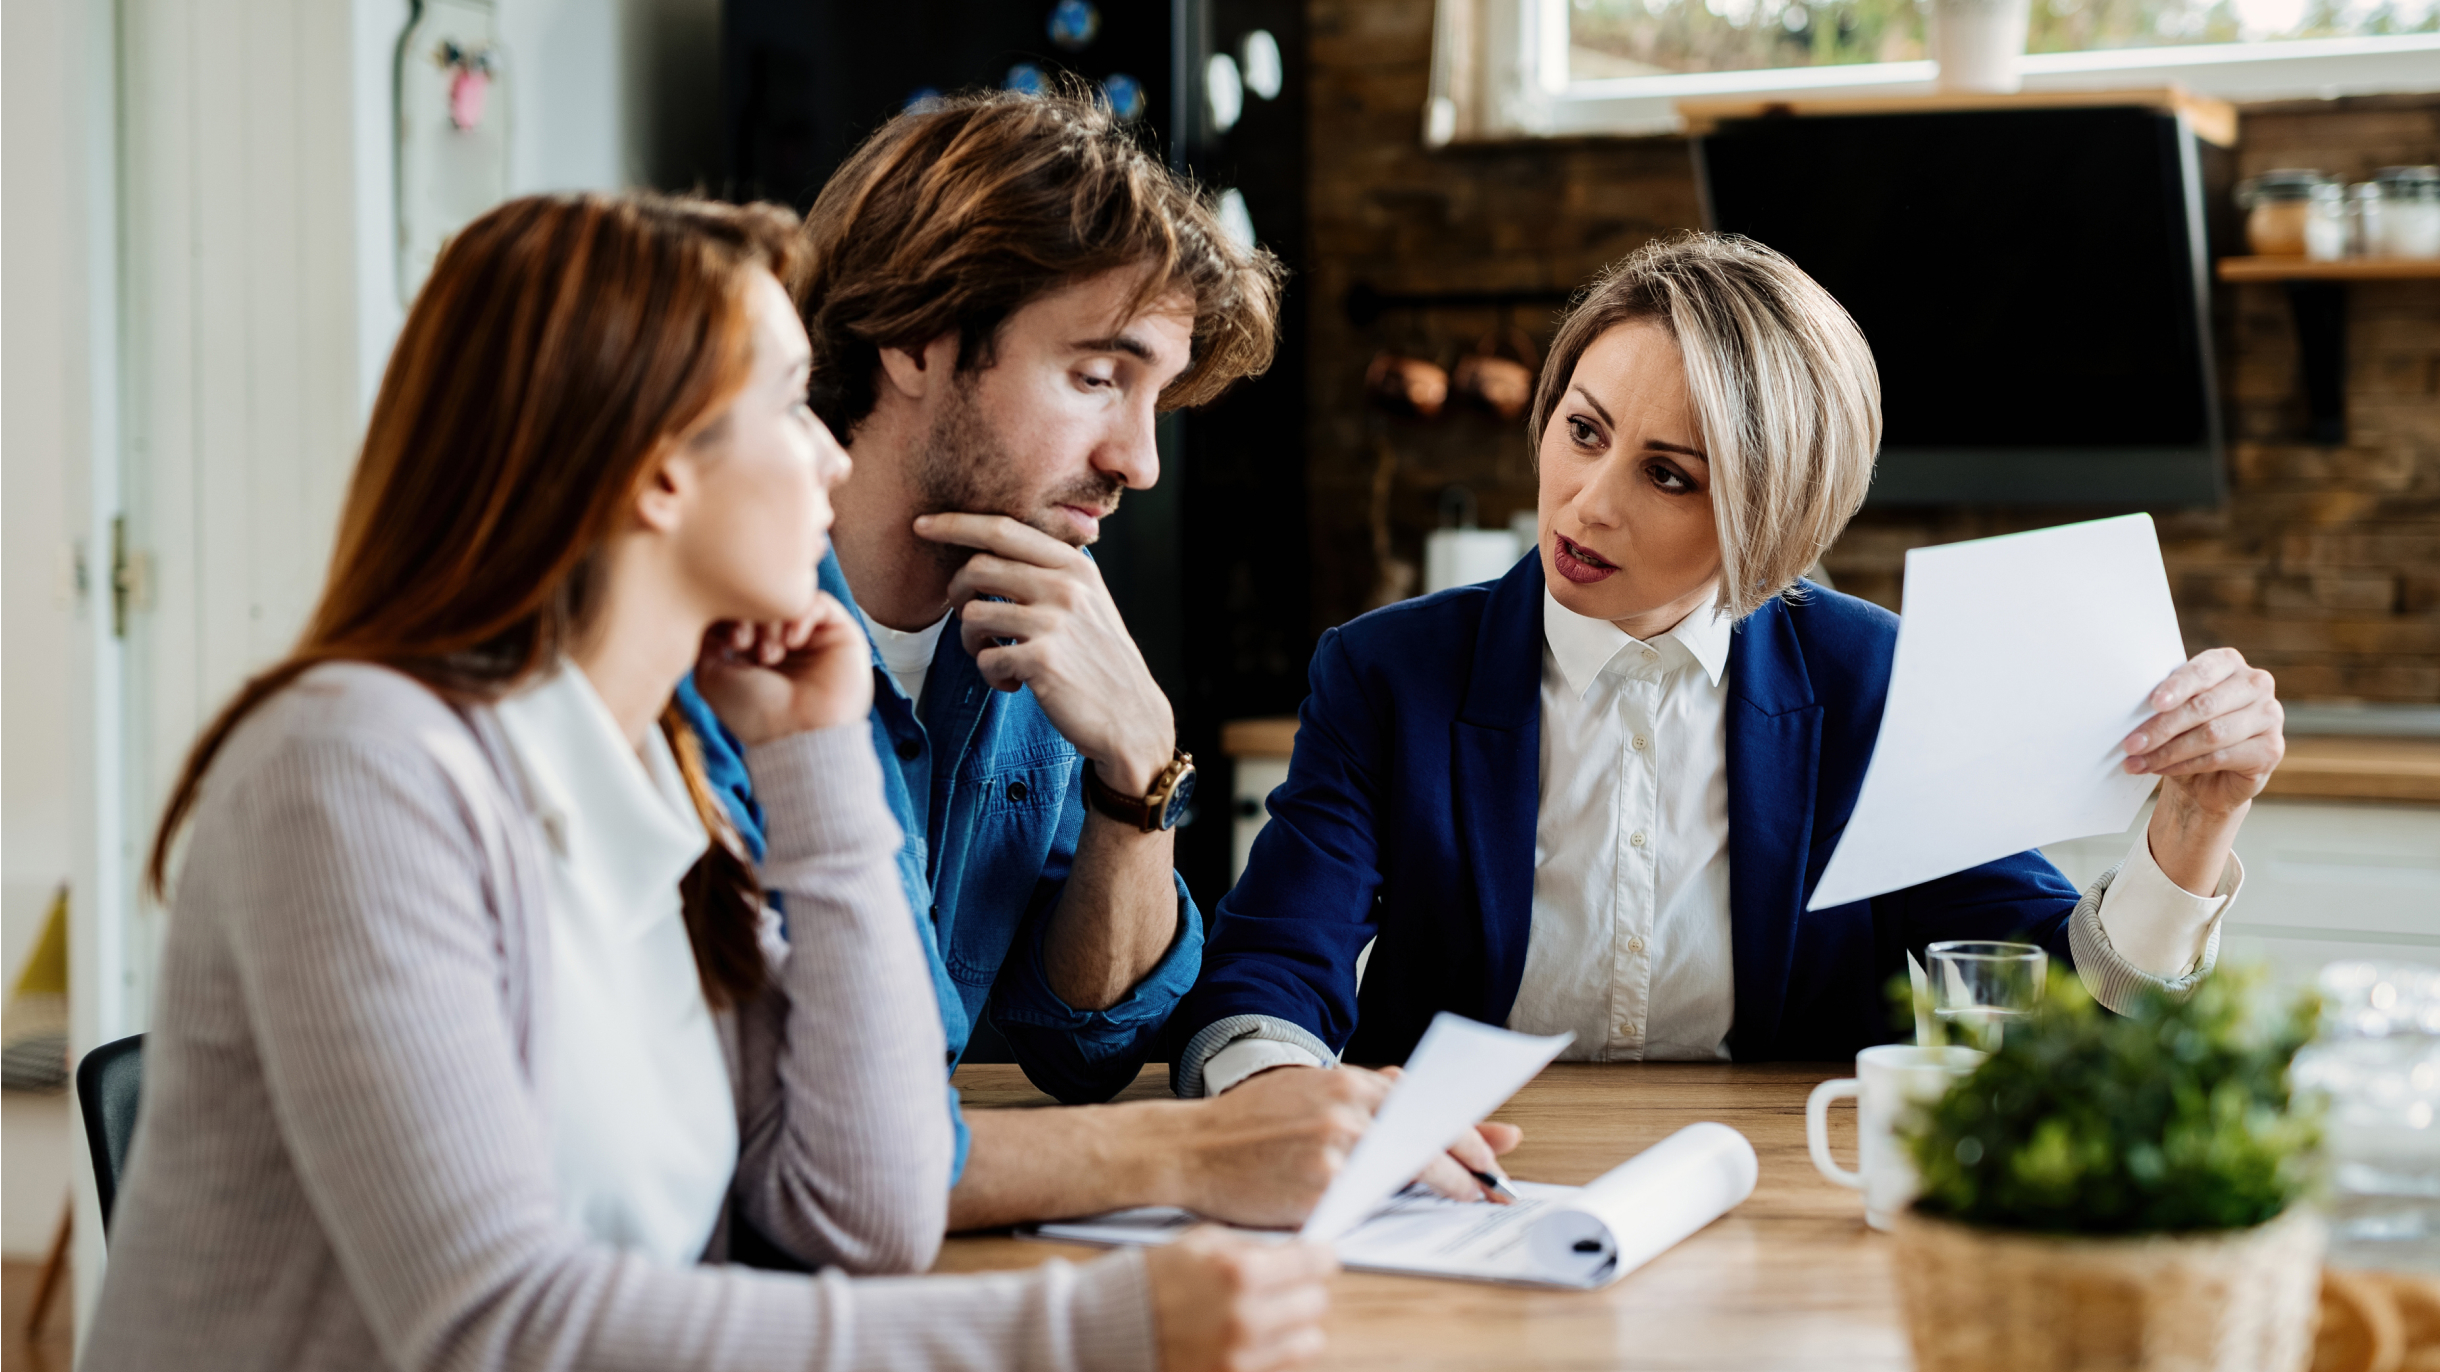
1578 563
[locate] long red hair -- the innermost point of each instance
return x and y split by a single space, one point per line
560 343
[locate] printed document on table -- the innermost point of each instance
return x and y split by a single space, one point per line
1553 1236
2022 661
1574 1237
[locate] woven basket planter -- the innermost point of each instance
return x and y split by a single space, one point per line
1985 1300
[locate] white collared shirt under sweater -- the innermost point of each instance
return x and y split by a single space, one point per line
644 1123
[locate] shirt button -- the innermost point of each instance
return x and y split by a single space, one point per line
1016 790
1635 945
1651 653
1636 838
1640 740
908 749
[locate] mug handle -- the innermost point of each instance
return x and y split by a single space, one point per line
1817 1128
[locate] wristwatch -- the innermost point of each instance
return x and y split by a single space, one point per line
1156 809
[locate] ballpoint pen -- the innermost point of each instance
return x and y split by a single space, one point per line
1497 1186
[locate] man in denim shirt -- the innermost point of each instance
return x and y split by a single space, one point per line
1005 292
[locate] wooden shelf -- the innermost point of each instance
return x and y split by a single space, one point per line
2345 269
2317 297
2214 121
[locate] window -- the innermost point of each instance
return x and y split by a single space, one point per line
1505 68
1615 38
1628 38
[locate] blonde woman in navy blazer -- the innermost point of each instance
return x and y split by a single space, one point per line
1596 793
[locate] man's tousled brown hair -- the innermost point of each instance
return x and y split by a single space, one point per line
955 215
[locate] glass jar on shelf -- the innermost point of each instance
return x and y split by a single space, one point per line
2327 229
2278 209
2376 1068
2408 224
2364 219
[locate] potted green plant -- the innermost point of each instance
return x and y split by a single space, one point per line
2120 1192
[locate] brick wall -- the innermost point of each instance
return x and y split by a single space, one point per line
2323 565
1383 211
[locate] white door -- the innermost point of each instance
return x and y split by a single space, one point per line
242 387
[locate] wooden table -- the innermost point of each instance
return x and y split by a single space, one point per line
1790 1279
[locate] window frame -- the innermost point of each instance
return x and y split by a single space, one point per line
1492 76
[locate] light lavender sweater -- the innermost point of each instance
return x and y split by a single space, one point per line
343 1159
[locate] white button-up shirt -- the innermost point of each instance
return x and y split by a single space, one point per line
1630 946
644 1125
1630 942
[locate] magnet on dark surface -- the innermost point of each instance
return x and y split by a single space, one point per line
1074 24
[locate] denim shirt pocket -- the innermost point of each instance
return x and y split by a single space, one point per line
1016 813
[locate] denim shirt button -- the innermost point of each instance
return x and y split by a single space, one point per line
1016 790
908 749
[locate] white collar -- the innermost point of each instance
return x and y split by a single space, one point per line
1584 647
624 824
905 650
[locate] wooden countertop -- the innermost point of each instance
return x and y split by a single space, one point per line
2344 269
1790 1279
2213 120
2325 767
1259 737
2331 767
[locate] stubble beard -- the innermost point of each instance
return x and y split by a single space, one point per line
964 468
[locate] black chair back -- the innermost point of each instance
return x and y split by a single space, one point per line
107 1084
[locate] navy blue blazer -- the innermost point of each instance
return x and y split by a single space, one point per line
1408 815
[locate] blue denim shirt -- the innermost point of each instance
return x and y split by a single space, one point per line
991 798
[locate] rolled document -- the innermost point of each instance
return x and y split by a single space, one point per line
1572 1236
1644 1206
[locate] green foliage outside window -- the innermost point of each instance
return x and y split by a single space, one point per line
1625 37
2174 1118
1652 37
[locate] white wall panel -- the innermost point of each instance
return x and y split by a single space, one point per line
258 179
244 388
52 165
41 422
2324 880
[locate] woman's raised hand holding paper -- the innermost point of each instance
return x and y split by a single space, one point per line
2213 742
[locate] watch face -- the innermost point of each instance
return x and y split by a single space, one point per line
1175 810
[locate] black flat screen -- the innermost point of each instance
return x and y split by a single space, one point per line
2028 280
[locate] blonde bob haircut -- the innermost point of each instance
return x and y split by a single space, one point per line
1786 398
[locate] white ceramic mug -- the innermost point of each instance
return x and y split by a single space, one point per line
1887 1080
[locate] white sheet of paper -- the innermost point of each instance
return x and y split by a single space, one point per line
1459 1073
2022 661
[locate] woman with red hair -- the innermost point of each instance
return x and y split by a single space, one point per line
476 1042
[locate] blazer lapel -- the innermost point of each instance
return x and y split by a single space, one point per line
1774 761
1495 757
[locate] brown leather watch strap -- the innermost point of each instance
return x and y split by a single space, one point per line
1144 811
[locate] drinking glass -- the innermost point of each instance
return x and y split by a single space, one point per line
1978 987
